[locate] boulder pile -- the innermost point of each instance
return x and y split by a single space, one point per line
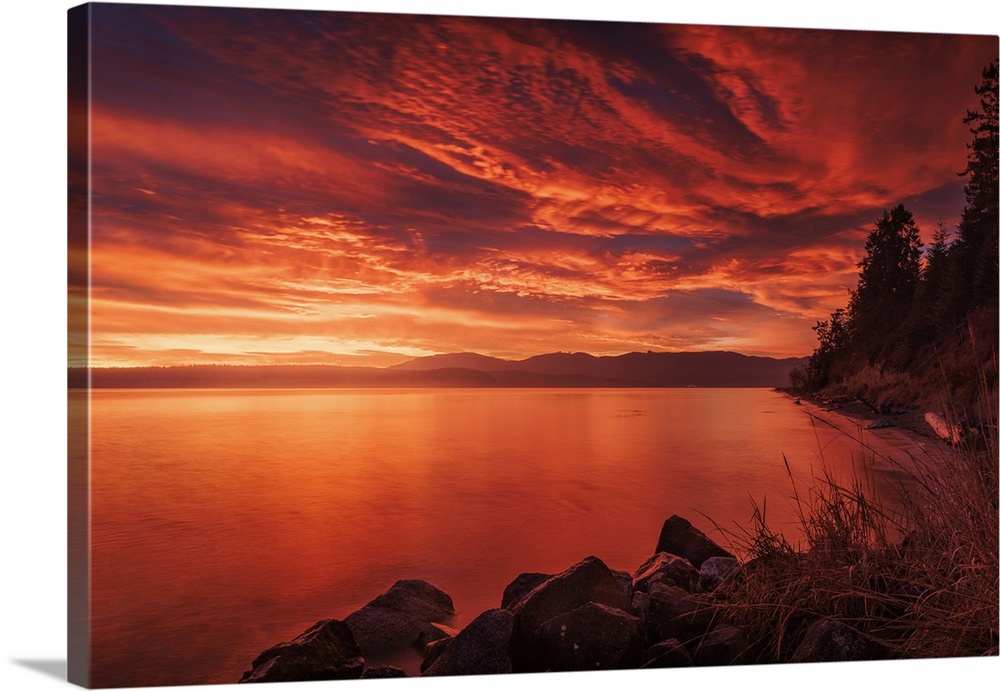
588 617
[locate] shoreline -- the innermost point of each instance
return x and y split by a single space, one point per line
892 460
585 617
904 430
686 606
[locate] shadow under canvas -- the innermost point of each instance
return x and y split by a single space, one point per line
50 668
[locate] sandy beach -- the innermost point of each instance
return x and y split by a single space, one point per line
895 451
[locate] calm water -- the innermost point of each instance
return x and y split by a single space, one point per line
226 521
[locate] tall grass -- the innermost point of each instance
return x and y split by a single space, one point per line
915 576
945 373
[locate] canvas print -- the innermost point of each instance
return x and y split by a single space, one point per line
415 345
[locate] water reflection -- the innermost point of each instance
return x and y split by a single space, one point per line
227 521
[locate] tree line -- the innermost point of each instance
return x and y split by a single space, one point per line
911 304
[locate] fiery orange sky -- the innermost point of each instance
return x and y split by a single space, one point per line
307 187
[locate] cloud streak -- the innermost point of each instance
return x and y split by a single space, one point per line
359 189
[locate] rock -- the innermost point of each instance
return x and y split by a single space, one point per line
521 586
668 653
433 651
679 537
714 570
327 650
482 647
592 636
673 612
944 428
666 568
433 632
382 672
624 579
587 581
828 640
397 618
725 645
640 603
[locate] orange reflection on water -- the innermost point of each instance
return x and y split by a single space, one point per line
227 521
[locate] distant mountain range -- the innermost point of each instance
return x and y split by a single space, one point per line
631 369
704 369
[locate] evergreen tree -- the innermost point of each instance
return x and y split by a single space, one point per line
900 317
887 285
834 336
931 317
974 275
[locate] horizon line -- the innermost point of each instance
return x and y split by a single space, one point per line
435 355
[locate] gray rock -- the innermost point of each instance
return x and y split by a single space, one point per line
715 570
433 651
521 586
624 579
673 612
668 653
327 650
679 537
725 645
592 636
397 618
665 568
482 647
433 632
383 672
640 603
828 640
587 581
590 580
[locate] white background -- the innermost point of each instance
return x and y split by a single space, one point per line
33 275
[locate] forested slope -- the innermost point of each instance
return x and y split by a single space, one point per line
920 328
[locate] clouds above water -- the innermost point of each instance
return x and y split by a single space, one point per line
351 188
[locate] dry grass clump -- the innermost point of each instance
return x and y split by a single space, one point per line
884 387
944 376
916 581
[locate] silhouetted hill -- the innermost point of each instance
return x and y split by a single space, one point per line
273 376
638 369
309 376
483 363
465 370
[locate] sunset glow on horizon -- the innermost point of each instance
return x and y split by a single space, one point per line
279 187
